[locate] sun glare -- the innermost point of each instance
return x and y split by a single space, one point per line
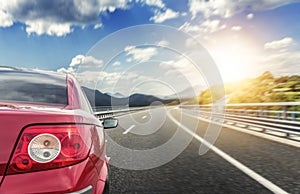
230 67
235 59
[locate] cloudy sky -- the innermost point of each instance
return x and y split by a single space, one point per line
244 38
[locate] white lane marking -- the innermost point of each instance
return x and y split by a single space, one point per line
127 130
263 181
251 132
144 117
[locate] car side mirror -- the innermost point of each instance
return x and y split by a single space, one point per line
110 123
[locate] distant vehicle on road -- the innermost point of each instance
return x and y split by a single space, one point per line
50 141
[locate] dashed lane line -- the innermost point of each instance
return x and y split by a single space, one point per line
127 130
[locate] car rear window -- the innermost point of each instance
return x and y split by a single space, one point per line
33 87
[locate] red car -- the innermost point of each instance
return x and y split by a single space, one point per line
50 141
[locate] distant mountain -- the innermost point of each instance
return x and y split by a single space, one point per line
115 95
143 100
188 93
98 98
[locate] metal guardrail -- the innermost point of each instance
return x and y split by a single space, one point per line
246 118
263 109
107 112
262 119
107 108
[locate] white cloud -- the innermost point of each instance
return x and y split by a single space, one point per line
163 43
156 3
279 44
160 17
282 63
56 17
117 63
59 17
191 44
123 82
209 8
183 69
44 27
181 65
183 14
96 26
189 28
140 54
236 28
91 62
228 8
132 80
81 63
208 26
6 19
77 60
129 60
66 70
250 16
88 71
91 78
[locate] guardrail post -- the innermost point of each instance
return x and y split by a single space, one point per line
284 114
278 115
245 112
261 112
265 114
268 115
293 116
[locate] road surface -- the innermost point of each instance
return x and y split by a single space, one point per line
238 163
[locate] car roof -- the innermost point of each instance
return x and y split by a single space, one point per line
32 71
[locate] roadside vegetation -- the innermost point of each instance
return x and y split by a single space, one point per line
265 88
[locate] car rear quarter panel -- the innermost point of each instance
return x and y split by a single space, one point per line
62 180
14 120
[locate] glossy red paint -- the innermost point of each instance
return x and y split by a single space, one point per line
16 117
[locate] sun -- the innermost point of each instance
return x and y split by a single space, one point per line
230 65
235 58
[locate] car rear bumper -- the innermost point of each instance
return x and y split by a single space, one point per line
83 177
87 190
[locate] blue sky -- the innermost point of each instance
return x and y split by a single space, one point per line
244 38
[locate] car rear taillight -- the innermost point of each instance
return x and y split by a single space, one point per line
44 148
49 147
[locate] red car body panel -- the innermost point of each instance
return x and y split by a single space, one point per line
63 180
16 116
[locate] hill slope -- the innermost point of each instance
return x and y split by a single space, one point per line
264 88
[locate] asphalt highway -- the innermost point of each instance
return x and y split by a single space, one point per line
157 151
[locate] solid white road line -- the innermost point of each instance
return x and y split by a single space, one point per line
263 181
127 130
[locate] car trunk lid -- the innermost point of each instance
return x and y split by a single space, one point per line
14 118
